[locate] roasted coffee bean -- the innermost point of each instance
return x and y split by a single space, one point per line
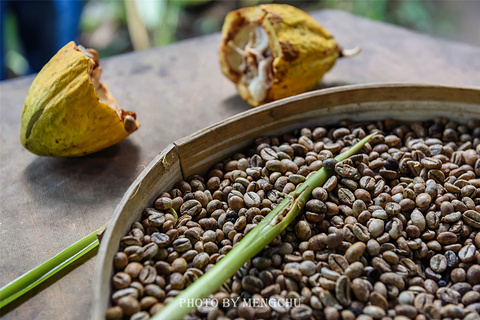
252 284
161 239
147 275
355 251
338 263
120 260
329 163
114 313
121 280
129 305
182 244
472 218
438 263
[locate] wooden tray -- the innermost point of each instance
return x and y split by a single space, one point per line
198 152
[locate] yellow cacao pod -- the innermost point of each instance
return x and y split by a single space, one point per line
274 51
68 112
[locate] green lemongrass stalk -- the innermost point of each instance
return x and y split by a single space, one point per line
259 237
52 266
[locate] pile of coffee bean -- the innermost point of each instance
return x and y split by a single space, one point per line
392 235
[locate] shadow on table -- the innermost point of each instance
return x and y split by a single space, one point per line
236 104
84 180
331 84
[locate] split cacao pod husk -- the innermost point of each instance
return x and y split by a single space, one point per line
68 112
274 51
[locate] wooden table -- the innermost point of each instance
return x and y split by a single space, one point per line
48 203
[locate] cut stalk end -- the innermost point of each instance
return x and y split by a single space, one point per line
350 52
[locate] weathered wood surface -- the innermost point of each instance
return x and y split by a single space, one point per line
48 203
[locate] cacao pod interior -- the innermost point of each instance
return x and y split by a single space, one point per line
250 56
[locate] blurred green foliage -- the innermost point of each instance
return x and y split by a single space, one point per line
167 21
14 58
106 25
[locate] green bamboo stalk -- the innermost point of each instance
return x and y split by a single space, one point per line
257 239
52 266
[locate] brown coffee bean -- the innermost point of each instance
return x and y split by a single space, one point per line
200 260
154 290
301 312
467 253
446 238
462 287
307 268
182 245
317 242
129 305
252 284
422 301
133 269
276 166
342 290
361 232
114 313
355 251
470 297
121 280
191 207
161 239
337 263
334 239
150 250
141 315
458 275
303 230
346 196
431 312
379 300
391 278
360 289
438 263
163 203
268 154
177 281
345 169
252 199
473 275
354 270
147 274
453 311
376 227
406 310
316 205
332 314
472 218
448 296
134 253
374 311
120 260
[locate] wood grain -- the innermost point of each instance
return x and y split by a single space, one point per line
47 203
